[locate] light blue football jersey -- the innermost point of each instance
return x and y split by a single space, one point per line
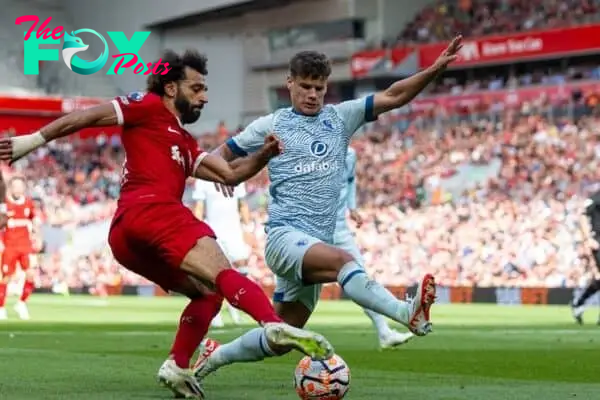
306 179
347 199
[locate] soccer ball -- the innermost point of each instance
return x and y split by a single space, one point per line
322 380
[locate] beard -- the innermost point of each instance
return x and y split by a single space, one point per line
189 114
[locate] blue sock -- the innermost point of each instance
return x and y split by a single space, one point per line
369 294
251 346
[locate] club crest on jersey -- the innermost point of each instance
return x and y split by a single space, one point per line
136 96
318 148
327 124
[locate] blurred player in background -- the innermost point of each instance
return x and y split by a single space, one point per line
21 228
592 213
225 216
305 185
343 238
153 233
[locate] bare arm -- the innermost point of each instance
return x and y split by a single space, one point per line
225 153
11 149
404 91
216 168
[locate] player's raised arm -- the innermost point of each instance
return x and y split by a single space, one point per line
13 148
402 92
213 167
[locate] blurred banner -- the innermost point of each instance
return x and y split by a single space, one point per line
490 50
507 296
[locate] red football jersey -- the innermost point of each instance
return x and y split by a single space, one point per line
160 153
19 226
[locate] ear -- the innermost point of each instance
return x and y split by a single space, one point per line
171 89
290 82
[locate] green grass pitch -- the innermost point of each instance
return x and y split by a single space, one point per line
90 348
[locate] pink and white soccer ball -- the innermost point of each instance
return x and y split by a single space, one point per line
322 380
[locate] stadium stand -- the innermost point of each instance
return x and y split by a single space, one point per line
475 18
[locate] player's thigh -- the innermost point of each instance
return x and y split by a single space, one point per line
345 240
294 302
285 251
179 238
10 259
322 263
144 261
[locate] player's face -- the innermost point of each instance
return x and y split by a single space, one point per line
191 96
17 188
307 94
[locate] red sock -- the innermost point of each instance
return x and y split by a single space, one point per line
27 290
2 294
246 295
193 325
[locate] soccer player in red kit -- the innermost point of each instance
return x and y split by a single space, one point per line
153 233
18 244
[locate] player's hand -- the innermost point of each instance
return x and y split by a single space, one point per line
449 55
6 149
355 216
225 190
272 147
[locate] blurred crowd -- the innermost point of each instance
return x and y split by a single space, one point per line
472 18
486 196
518 225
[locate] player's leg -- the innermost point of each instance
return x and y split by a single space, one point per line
8 269
21 309
293 302
388 338
195 318
231 249
578 305
323 263
185 241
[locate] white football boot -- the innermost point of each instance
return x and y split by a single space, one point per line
418 320
3 314
180 381
394 339
22 310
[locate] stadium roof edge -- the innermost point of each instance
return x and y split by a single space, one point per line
218 14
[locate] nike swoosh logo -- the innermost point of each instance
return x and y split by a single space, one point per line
173 131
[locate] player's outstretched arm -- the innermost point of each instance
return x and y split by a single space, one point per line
216 169
11 149
402 92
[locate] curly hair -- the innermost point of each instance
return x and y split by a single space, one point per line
310 64
177 63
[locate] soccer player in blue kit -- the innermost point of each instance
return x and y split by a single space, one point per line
306 181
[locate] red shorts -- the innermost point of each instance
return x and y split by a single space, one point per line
153 239
11 257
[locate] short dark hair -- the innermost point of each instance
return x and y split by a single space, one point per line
177 63
310 64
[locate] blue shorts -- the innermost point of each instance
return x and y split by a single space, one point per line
284 254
